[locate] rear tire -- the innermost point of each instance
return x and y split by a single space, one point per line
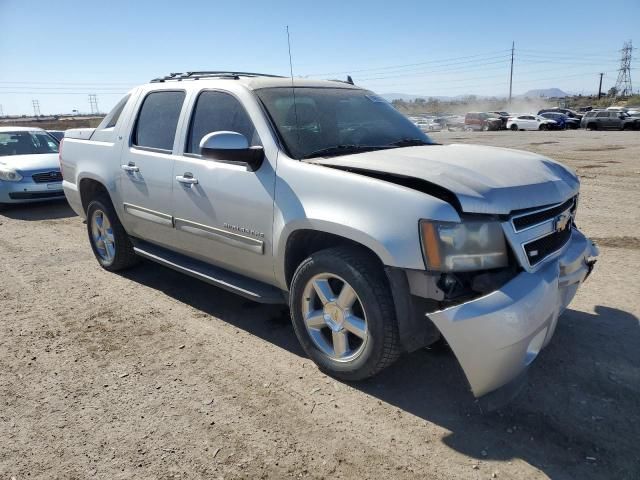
109 241
351 342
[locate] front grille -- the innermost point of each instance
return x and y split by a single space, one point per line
33 195
527 220
47 177
541 248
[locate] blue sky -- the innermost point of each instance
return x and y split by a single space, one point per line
58 52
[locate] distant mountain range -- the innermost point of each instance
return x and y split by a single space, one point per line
541 92
545 92
407 96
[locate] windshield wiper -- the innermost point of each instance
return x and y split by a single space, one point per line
343 150
408 142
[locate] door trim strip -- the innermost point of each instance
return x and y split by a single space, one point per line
240 241
147 214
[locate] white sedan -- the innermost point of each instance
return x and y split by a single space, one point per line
530 122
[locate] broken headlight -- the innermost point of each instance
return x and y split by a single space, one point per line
463 247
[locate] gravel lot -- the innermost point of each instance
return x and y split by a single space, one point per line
151 374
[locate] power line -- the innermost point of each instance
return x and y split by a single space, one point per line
61 93
571 54
56 88
20 82
390 67
503 61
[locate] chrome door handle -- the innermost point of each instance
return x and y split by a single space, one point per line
187 179
129 168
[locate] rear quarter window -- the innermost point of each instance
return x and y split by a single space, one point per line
114 115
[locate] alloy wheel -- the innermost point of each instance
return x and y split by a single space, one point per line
102 236
334 317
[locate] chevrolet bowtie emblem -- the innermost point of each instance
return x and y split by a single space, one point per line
561 222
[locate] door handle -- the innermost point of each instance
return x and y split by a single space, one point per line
187 179
131 167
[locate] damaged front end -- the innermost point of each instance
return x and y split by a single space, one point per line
497 335
498 315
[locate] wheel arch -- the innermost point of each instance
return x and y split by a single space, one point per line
303 242
88 188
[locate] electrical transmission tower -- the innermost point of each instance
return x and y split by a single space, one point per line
623 86
93 103
36 107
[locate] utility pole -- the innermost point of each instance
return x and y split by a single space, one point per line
1 111
513 45
600 87
36 108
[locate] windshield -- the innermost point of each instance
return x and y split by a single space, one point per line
336 121
26 143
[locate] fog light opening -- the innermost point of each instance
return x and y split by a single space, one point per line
535 345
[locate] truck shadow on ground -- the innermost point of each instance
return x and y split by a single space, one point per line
577 417
30 212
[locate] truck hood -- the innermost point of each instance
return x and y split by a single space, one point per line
487 180
28 163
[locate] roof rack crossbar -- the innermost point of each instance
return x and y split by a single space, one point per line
178 76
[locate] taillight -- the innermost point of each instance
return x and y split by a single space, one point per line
60 157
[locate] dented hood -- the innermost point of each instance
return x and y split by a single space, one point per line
484 179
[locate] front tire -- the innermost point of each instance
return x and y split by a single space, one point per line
514 128
544 126
109 241
343 313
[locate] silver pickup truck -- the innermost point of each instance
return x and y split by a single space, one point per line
322 195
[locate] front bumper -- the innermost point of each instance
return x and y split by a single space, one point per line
27 190
496 337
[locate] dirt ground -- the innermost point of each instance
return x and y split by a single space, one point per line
151 374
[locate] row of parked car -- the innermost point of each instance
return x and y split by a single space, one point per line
618 118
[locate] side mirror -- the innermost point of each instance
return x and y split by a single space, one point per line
231 147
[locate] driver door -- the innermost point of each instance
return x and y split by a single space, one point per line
223 211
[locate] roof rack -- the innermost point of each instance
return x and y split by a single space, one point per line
179 76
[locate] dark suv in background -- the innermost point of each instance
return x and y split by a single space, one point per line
482 121
607 119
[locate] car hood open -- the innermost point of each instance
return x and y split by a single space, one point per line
487 180
29 163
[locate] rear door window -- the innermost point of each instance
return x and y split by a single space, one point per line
602 114
158 120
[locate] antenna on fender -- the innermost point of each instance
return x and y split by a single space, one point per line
293 90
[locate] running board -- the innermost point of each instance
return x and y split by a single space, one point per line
219 277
